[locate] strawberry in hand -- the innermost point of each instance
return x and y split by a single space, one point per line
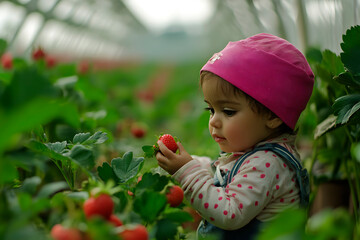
169 142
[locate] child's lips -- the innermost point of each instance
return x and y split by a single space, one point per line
217 138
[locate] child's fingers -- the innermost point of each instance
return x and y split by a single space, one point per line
162 160
181 147
164 150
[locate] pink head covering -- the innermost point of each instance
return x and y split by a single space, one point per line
269 69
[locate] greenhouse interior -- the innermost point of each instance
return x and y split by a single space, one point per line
104 133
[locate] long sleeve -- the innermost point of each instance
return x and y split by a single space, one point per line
263 185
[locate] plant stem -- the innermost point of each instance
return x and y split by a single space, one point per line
63 173
313 159
355 191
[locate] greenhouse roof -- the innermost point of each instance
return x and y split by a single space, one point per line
168 30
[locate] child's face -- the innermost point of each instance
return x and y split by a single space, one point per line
233 124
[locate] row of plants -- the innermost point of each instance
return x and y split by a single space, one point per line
73 138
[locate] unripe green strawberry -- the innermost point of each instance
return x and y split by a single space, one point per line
169 142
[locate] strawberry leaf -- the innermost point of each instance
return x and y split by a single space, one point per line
82 155
127 167
177 215
85 138
149 205
81 137
346 108
152 181
57 146
49 189
351 50
149 151
166 229
347 79
106 173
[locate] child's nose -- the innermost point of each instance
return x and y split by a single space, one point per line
215 121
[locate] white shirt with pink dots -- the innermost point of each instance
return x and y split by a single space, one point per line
263 186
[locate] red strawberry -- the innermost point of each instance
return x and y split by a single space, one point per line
138 132
139 232
7 61
58 232
101 206
83 67
115 220
38 54
174 195
50 61
169 142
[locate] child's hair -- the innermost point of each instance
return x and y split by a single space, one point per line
256 107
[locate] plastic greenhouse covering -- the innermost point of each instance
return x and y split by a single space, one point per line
116 29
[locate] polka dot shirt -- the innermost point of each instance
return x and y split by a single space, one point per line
263 186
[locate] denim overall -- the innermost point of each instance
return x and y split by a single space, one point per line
251 230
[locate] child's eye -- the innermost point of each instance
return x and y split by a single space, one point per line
229 112
209 109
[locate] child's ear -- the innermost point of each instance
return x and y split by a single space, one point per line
274 122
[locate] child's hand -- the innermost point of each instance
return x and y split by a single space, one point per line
170 161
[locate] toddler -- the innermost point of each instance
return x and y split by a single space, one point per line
255 90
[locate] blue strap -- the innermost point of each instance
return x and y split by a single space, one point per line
302 175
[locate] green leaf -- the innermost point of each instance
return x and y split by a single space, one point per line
165 230
355 151
8 171
78 196
123 201
331 224
178 215
127 167
57 146
149 205
106 173
30 185
351 50
97 138
85 138
81 137
82 155
3 46
44 150
332 63
347 107
152 181
289 224
27 84
325 126
149 151
347 79
51 188
37 112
